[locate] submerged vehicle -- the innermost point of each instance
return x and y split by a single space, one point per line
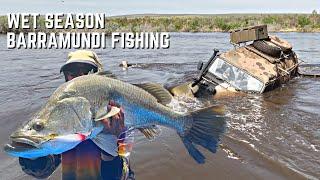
258 63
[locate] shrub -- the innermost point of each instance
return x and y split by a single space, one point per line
269 20
303 21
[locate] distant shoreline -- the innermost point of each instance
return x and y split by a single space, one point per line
194 23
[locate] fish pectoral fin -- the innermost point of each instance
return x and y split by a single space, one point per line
113 111
107 142
150 132
158 91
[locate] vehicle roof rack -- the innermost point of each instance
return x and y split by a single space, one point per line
249 34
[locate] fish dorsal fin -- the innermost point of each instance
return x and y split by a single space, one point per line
103 114
107 74
158 91
150 132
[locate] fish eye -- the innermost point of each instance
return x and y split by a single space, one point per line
38 126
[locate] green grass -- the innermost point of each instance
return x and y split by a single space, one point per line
196 23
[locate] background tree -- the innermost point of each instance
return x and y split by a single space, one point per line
314 13
315 18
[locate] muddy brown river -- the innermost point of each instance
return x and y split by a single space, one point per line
275 135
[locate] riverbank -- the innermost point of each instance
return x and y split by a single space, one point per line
194 23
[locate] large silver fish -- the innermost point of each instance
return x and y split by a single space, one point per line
73 113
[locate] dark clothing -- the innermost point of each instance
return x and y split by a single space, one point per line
82 162
112 170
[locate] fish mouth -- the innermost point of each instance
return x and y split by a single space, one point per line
33 142
17 146
20 144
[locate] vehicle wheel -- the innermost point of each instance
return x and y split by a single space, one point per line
267 47
283 44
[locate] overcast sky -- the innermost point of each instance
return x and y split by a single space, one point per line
122 7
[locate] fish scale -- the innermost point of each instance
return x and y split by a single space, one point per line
96 87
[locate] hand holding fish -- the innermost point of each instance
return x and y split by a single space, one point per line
115 124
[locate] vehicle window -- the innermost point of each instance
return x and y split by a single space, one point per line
235 76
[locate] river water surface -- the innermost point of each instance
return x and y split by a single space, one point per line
273 135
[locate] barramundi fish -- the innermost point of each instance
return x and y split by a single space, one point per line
73 112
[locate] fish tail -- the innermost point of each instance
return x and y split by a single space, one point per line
206 129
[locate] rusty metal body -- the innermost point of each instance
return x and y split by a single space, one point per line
258 66
249 34
271 71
